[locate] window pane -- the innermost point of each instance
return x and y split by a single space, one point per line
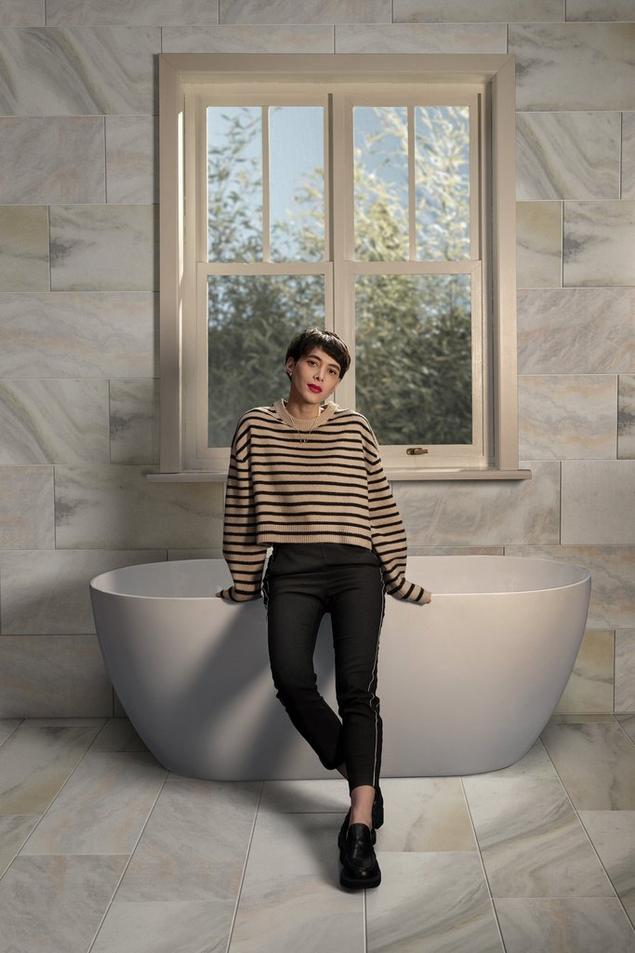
296 177
442 182
250 321
413 376
234 183
380 145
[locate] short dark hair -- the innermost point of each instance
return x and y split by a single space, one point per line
328 341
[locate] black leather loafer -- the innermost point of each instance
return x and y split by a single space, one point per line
359 863
377 815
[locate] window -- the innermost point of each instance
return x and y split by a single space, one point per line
369 194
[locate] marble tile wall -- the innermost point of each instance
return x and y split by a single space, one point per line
79 313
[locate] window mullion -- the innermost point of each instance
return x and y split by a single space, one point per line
342 231
266 242
412 239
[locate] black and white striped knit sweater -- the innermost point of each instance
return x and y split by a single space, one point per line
324 484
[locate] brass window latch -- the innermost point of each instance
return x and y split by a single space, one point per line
412 450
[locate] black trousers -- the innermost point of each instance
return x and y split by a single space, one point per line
302 582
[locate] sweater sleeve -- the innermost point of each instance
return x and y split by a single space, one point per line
387 528
244 556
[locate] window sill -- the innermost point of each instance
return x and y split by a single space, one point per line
449 473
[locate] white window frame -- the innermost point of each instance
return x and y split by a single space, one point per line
187 82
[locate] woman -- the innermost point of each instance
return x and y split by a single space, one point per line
306 477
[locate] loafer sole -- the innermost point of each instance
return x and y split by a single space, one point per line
360 881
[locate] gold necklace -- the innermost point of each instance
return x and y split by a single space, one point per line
302 433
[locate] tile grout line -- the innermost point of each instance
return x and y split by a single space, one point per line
54 509
619 723
617 415
560 504
105 164
48 225
57 793
614 641
567 897
619 157
365 920
11 733
244 870
131 855
480 857
108 418
581 822
562 243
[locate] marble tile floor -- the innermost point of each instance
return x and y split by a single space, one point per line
103 850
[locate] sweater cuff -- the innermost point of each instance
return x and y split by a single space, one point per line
416 595
230 595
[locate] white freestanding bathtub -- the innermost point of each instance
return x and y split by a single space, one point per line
466 683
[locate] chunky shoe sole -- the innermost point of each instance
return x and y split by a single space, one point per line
360 883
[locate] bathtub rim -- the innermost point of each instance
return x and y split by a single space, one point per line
584 578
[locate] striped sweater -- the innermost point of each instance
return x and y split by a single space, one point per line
325 483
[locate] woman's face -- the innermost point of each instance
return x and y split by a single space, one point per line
315 368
